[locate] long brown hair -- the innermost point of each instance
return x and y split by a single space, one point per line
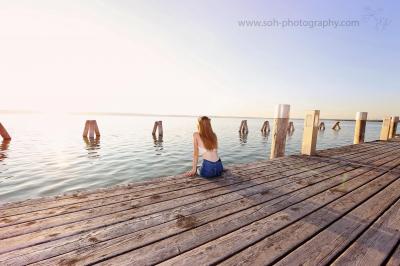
206 133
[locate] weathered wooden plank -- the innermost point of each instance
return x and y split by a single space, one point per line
204 232
275 246
254 194
333 207
115 204
374 245
57 232
126 193
371 160
394 260
180 216
356 156
134 224
349 149
356 149
326 245
84 196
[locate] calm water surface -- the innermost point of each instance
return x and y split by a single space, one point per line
48 155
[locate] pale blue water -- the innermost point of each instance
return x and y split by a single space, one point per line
48 155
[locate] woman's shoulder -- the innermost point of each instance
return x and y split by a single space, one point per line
196 134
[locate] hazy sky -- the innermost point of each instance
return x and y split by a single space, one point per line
192 57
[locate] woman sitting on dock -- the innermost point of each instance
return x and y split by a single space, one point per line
206 144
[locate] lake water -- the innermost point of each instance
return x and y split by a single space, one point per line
48 155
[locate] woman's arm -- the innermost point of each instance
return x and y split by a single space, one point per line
195 156
195 152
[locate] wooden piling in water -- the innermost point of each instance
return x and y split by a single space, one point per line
290 128
158 126
359 130
321 126
3 132
265 127
385 128
243 129
394 120
336 126
91 129
281 121
310 132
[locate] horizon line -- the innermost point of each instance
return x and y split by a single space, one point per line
166 115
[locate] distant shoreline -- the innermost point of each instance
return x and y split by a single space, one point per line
165 115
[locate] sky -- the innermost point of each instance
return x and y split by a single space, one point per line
192 58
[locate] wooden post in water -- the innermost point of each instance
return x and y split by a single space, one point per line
158 126
310 133
385 128
265 127
281 121
394 120
91 129
336 126
86 128
359 130
3 132
321 126
243 129
155 128
290 129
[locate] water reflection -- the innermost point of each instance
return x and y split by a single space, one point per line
335 133
158 144
243 137
92 146
3 149
265 136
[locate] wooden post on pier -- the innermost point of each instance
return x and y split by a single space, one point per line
243 129
3 132
359 130
290 128
385 128
310 133
394 120
265 127
157 126
321 126
91 129
281 121
336 126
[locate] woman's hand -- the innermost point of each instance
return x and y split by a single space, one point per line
191 173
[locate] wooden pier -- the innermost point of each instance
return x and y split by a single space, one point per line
338 206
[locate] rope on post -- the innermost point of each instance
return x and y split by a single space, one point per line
321 126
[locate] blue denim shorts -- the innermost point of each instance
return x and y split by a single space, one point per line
211 169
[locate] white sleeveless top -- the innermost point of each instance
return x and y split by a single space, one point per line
203 150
